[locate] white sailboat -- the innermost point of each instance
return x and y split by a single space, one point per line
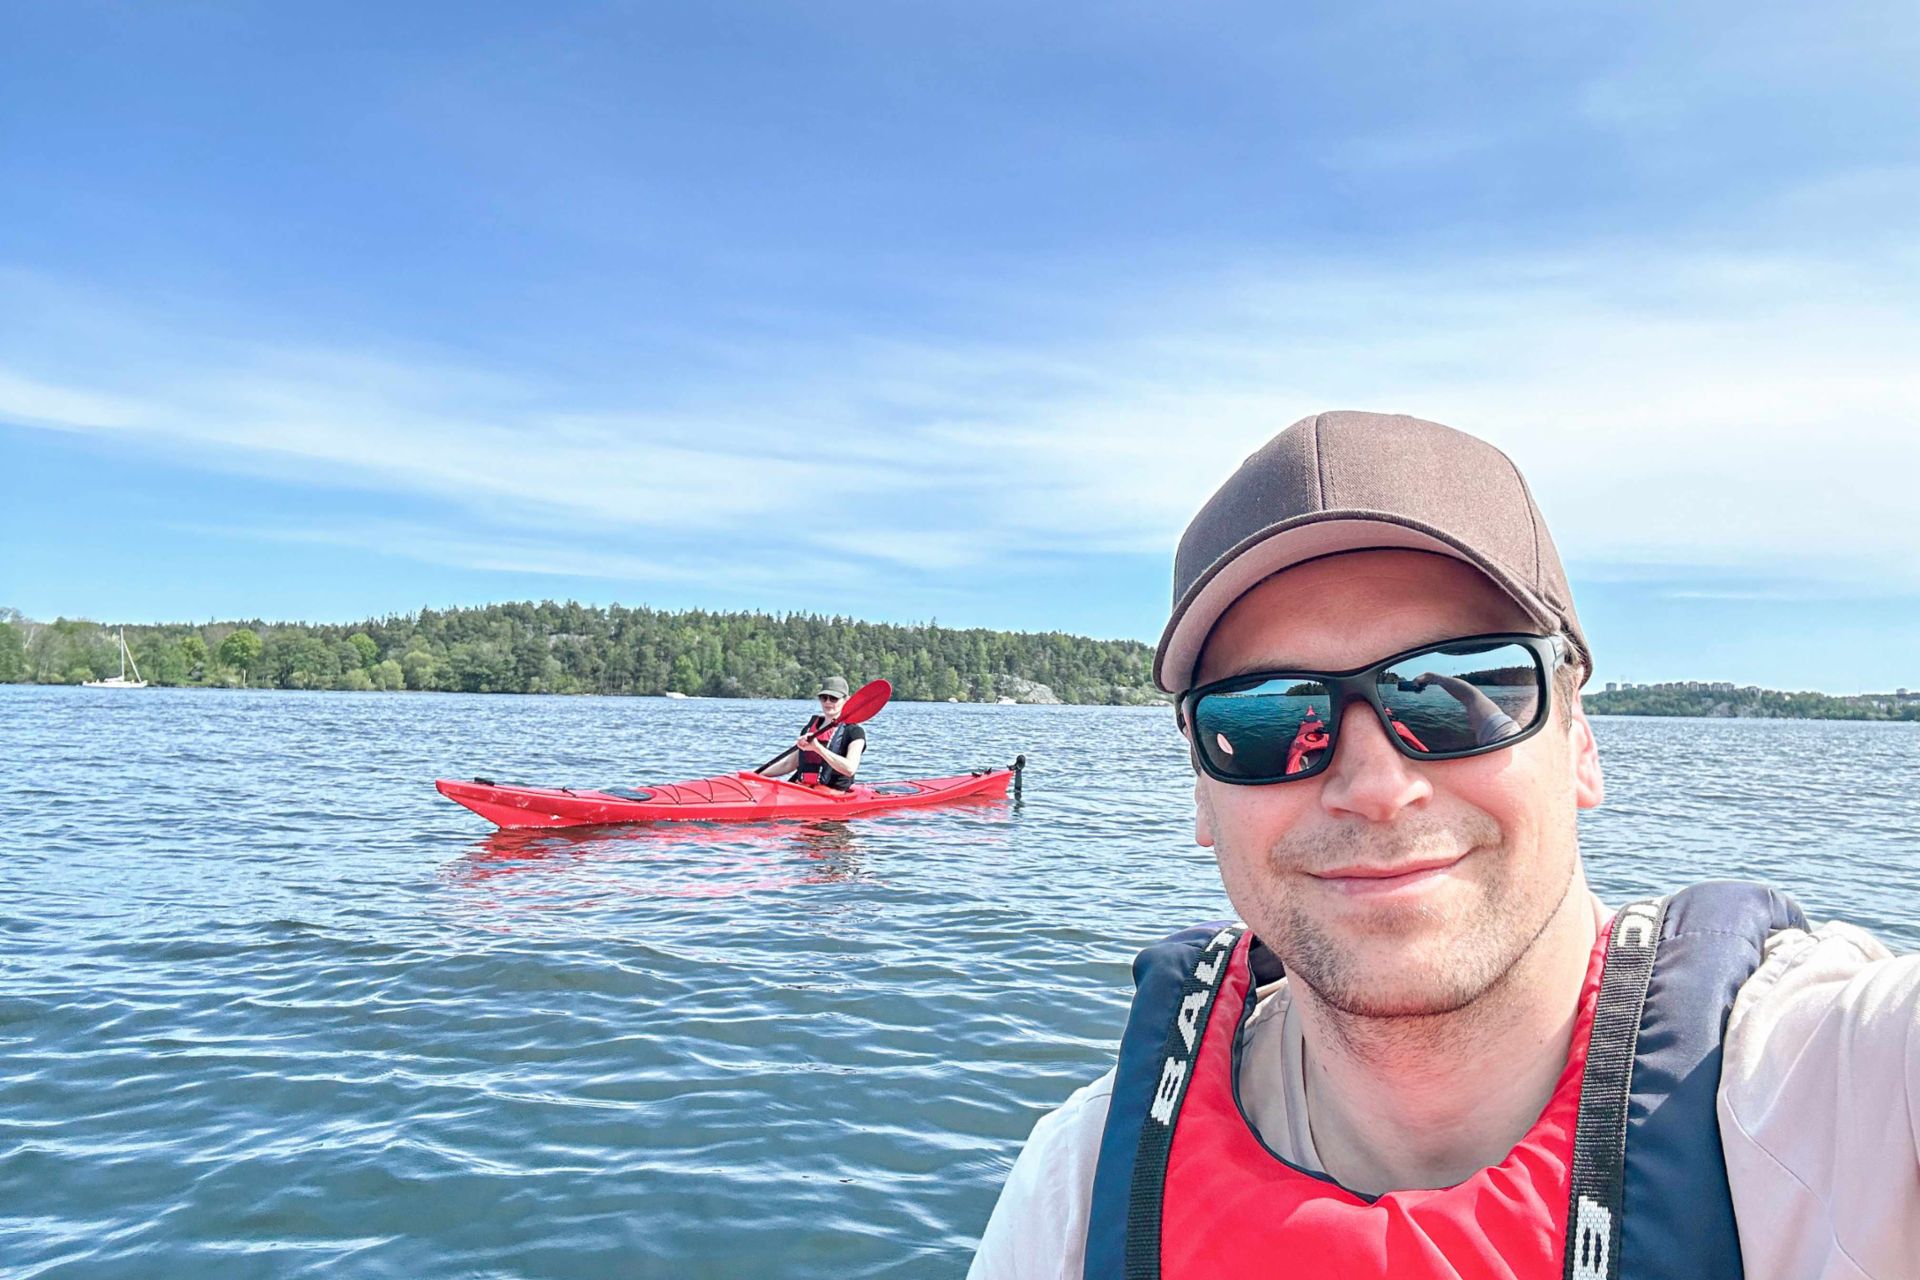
120 681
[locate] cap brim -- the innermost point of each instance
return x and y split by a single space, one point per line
1292 542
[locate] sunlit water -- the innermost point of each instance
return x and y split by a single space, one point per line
270 1006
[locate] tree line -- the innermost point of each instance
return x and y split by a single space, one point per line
1758 704
574 648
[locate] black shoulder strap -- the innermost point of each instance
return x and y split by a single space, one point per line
1597 1193
1150 1082
1649 1197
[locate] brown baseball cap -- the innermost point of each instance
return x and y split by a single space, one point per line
1351 481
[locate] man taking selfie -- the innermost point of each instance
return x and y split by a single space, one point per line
1430 1050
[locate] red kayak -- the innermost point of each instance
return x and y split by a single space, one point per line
734 797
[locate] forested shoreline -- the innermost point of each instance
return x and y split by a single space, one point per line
1753 704
581 649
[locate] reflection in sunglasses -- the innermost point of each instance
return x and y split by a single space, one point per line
1453 699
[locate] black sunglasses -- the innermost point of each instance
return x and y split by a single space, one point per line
1441 701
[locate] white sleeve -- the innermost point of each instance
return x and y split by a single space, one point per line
1038 1230
1820 1109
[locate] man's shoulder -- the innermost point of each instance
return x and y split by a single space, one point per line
1820 979
1821 962
1079 1120
1039 1226
1819 1104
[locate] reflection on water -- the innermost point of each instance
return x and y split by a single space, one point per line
679 859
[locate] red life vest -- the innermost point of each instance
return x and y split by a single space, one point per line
811 768
1620 1178
1225 1190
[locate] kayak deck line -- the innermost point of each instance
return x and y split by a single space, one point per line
738 797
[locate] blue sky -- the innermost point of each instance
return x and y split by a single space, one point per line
952 311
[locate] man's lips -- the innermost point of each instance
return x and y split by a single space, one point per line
1378 878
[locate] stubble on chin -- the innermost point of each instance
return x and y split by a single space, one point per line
1398 960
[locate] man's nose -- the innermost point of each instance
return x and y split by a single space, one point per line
1368 778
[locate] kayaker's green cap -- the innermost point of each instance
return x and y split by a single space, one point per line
835 685
1352 481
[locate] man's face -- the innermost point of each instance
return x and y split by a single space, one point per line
1486 846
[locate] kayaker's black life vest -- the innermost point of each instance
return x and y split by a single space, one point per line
1647 1192
813 769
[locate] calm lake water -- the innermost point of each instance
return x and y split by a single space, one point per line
269 1006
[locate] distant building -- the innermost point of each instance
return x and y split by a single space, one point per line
1613 686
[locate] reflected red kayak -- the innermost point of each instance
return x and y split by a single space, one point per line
734 797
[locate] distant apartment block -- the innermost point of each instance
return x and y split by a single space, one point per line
1684 686
1883 700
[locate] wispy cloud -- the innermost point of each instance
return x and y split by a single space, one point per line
1780 595
545 556
31 402
1668 403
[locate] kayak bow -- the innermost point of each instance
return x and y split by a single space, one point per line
734 797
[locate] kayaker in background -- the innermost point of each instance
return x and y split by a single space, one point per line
831 763
1431 1050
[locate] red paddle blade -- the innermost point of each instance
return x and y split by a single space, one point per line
865 702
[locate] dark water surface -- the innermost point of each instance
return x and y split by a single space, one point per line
271 1007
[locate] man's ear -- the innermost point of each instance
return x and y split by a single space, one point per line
1589 789
1202 816
1202 819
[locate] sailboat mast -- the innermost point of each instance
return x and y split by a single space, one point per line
126 656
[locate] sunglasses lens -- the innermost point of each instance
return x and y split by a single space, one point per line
1458 697
1274 729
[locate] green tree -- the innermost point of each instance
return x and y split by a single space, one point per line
13 654
365 650
420 669
311 664
388 675
480 668
240 650
160 662
193 651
